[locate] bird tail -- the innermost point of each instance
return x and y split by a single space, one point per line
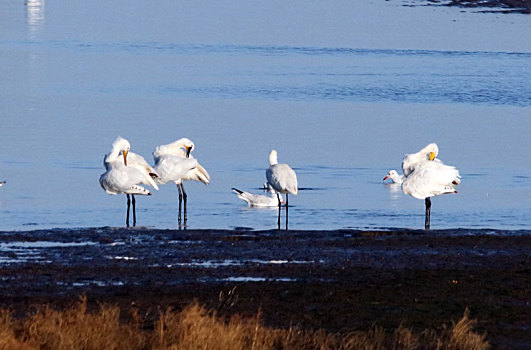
135 189
201 174
237 191
244 196
457 180
151 182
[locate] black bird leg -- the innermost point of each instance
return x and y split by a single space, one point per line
286 211
279 207
134 210
185 196
128 205
180 203
428 211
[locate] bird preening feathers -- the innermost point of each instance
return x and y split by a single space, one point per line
426 177
174 163
125 172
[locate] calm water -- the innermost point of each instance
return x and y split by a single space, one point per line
341 90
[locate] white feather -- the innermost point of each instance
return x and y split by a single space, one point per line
428 178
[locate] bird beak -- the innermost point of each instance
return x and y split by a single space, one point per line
432 156
125 157
188 150
385 178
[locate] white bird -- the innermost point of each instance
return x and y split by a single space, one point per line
394 176
174 163
427 176
267 187
125 171
2 183
282 179
258 200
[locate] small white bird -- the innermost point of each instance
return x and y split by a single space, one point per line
282 179
125 171
2 183
395 177
174 163
427 176
258 200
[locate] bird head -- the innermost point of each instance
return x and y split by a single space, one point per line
390 174
273 157
121 145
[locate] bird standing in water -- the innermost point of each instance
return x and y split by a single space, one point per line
125 170
427 177
282 179
174 163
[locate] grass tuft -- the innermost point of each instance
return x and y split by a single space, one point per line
462 335
195 327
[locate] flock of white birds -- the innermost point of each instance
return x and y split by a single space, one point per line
126 171
425 176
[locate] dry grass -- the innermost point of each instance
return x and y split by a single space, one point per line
198 328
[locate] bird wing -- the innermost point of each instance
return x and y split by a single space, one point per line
123 179
257 200
137 161
197 174
282 178
173 168
429 179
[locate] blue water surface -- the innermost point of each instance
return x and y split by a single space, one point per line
342 90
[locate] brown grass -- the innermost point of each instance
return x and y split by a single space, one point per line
198 328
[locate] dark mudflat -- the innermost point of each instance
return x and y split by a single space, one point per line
337 280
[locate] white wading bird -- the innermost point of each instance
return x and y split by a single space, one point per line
427 177
282 179
394 176
258 200
174 163
125 171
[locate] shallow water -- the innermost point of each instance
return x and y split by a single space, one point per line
341 90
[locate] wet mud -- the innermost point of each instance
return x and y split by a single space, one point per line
337 280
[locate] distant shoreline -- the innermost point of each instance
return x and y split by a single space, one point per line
486 6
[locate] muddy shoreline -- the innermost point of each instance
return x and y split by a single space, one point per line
337 280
